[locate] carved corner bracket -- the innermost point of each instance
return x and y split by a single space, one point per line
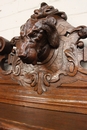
47 53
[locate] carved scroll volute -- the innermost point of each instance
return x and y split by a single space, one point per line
5 49
5 46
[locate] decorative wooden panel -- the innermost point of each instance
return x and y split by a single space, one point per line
42 71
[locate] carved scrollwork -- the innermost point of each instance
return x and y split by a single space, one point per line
48 49
71 54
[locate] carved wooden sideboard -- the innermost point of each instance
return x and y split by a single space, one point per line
43 79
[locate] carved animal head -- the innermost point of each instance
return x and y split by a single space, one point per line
37 44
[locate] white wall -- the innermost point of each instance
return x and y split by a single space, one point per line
14 13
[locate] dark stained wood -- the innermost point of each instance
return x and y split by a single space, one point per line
63 98
41 118
43 83
47 54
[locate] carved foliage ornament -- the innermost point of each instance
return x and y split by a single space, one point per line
47 53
